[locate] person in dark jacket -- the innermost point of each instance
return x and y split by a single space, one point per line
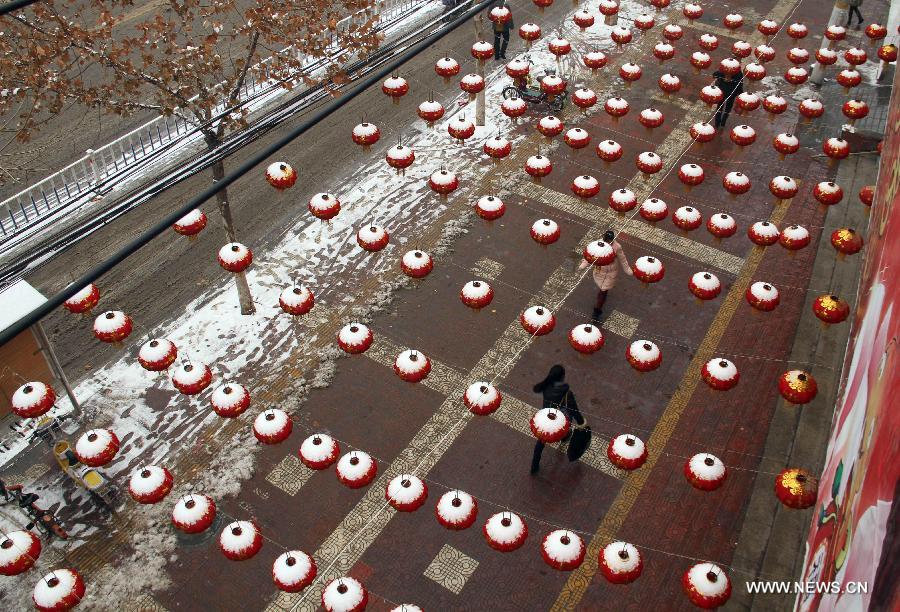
556 394
501 30
854 8
732 87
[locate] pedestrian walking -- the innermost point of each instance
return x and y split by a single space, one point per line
732 86
556 394
501 31
605 276
854 8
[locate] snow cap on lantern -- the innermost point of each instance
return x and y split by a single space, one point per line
281 175
490 208
472 84
616 107
355 338
538 166
272 426
733 21
741 49
365 134
324 206
549 425
430 111
609 151
356 469
743 135
644 21
545 231
708 42
691 175
705 285
85 300
585 186
703 132
665 51
796 488
797 386
711 95
754 71
497 147
150 484
648 269
736 183
786 144
416 263
826 56
783 187
798 56
513 107
401 157
395 87
599 253
482 50
345 595
157 354
563 550
764 53
446 67
456 510
584 98
583 19
372 238
643 355
669 83
620 562
673 32
763 233
529 32
630 72
552 85
19 550
586 338
192 377
505 531
476 294
559 46
97 447
550 126
32 400
705 472
794 237
319 451
406 493
774 105
700 61
230 400
191 224
59 590
537 320
577 138
692 11
720 374
296 300
293 571
412 366
651 118
649 162
235 257
687 218
443 182
194 513
620 35
594 60
482 398
706 585
627 452
654 209
622 200
112 326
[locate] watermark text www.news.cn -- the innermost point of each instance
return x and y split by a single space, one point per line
809 588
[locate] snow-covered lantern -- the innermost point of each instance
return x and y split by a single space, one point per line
848 79
609 9
550 126
664 51
691 175
443 182
324 206
622 200
774 105
798 56
559 47
545 231
563 550
620 562
796 488
700 61
599 253
529 32
651 118
500 15
356 469
835 33
669 84
272 426
692 11
97 447
828 193
747 102
32 399
537 167
648 269
472 84
296 300
733 21
705 472
416 263
720 374
621 36
705 286
743 135
846 241
490 208
811 109
584 98
630 73
482 398
58 591
240 540
446 68
514 107
412 366
730 66
112 326
583 19
549 425
456 510
192 377
643 355
85 300
794 238
855 110
355 338
736 183
649 163
552 85
763 233
594 60
518 68
706 585
875 32
157 354
673 32
826 56
660 4
372 238
234 257
627 452
784 188
406 493
18 552
281 175
586 339
505 531
400 157
797 386
293 571
703 132
708 42
855 56
366 134
836 149
476 294
888 53
867 195
194 513
797 31
795 75
687 218
609 151
644 22
577 138
537 320
319 451
585 186
654 209
616 107
741 49
764 53
230 400
345 595
430 111
786 144
762 296
711 95
754 71
395 87
497 148
189 225
150 484
830 309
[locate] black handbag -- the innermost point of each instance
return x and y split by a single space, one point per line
580 438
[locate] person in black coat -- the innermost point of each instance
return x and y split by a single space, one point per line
732 87
556 394
501 30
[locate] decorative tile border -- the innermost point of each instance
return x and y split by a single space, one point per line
451 569
289 475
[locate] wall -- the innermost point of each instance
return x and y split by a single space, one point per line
20 361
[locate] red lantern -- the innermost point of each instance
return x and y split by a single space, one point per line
794 237
88 297
733 21
669 83
649 162
721 225
456 510
743 135
762 296
443 182
559 47
563 550
888 53
798 56
324 206
711 95
692 11
786 144
720 374
395 87
599 253
240 540
364 134
446 67
412 366
513 107
831 309
706 585
621 35
626 452
472 84
586 339
687 218
537 320
32 400
691 175
763 233
609 8
594 60
663 51
609 151
538 166
402 157
767 28
620 563
783 188
192 378
319 451
622 200
482 398
705 286
406 493
430 111
476 294
293 571
848 79
648 269
482 50
797 386
673 32
754 71
348 594
846 241
855 56
18 552
643 355
59 590
774 105
876 32
296 300
585 186
583 19
660 4
545 231
542 4
797 31
460 128
828 193
500 15
708 42
272 426
550 126
490 208
741 49
584 98
867 195
150 484
644 22
703 132
194 513
552 85
836 148
700 61
577 138
810 109
355 338
651 118
796 488
97 447
730 66
854 110
497 148
505 531
112 326
826 56
549 425
416 264
529 32
281 176
796 75
616 107
736 183
653 210
230 400
705 472
630 72
764 53
835 33
372 238
157 355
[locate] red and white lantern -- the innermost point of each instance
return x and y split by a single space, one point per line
774 105
505 531
552 85
234 257
514 107
559 46
754 71
446 67
584 98
763 233
673 32
482 50
401 157
711 95
721 225
194 513
59 590
786 144
97 447
537 320
795 75
599 253
595 60
157 355
703 132
577 138
648 269
720 374
848 79
706 585
730 66
586 339
764 53
669 84
32 400
733 21
705 286
365 135
356 469
230 400
798 56
192 377
583 19
456 510
828 193
549 425
585 186
412 366
490 208
700 61
406 493
876 32
846 241
664 51
293 571
708 42
643 355
835 33
797 386
856 56
855 110
395 87
687 218
797 31
620 563
345 595
826 56
240 540
112 326
497 147
319 451
644 22
609 151
783 188
705 472
616 107
741 49
272 426
545 231
482 398
281 175
630 73
563 550
472 84
529 32
416 264
622 200
430 111
621 36
296 300
654 209
85 300
550 126
743 135
649 163
443 182
372 238
651 118
762 296
18 552
794 237
626 452
150 484
500 15
355 338
736 183
476 294
692 11
537 167
811 108
691 175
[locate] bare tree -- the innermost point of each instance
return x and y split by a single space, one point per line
185 57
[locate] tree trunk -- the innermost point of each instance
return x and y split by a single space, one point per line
245 298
